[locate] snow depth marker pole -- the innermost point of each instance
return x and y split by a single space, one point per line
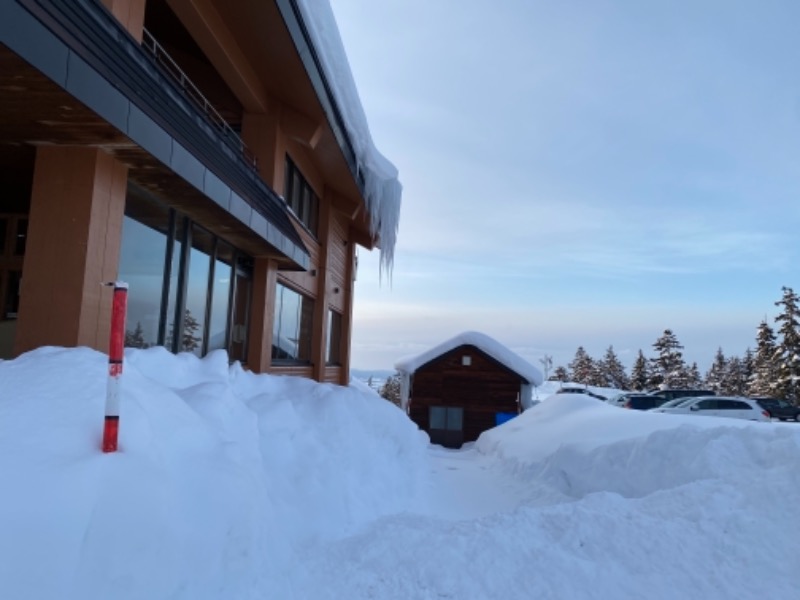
116 347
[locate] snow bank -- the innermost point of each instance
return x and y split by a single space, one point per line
617 504
221 477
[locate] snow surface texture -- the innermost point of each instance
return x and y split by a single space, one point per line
230 485
408 365
382 188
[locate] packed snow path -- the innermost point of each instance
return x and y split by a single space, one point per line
465 484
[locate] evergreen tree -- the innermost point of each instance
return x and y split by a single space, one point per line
748 365
788 350
613 371
597 374
715 377
655 379
191 326
764 367
581 369
135 338
735 382
560 374
694 379
391 389
668 365
638 380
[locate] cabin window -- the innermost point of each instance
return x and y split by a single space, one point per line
300 197
334 351
466 360
292 326
446 417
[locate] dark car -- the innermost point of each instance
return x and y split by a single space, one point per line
643 401
676 393
779 409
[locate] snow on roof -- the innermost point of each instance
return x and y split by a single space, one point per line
481 341
382 189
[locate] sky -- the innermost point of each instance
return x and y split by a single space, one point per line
579 173
228 484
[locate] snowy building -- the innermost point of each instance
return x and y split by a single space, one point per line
460 388
213 155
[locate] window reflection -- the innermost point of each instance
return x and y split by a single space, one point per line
141 265
194 316
220 296
291 331
179 272
173 288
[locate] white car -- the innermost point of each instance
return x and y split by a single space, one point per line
719 406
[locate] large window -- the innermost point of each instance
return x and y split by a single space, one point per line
182 290
292 326
300 197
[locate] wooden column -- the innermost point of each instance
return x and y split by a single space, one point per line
74 232
319 341
347 314
262 313
260 132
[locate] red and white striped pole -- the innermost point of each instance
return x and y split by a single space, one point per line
116 348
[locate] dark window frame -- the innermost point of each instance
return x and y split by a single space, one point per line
450 418
303 332
300 196
178 231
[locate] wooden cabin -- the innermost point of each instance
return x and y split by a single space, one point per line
465 386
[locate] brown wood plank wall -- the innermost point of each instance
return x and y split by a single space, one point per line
337 262
483 388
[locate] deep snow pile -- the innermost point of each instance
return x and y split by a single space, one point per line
231 485
222 474
609 503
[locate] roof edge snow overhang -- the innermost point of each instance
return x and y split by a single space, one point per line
299 32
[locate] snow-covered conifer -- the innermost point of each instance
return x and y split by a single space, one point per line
638 380
788 350
668 364
764 368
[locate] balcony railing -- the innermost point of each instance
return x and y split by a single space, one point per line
168 65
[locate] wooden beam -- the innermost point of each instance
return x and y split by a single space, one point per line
218 43
301 127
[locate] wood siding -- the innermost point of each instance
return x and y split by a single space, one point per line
482 389
337 263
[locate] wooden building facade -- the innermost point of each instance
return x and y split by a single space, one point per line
464 387
196 150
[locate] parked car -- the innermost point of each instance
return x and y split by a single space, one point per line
643 401
671 394
720 406
619 399
673 402
779 409
577 390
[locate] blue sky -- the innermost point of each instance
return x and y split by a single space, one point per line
580 173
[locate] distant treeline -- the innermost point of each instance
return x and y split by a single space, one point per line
772 369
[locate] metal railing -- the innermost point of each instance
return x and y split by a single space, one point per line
166 62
